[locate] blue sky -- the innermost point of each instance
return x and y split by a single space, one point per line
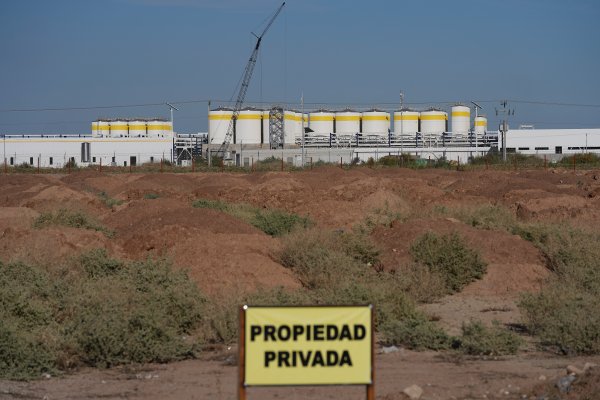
85 53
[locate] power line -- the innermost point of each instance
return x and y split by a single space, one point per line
550 103
99 107
314 103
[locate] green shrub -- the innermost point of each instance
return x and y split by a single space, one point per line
73 219
421 283
277 223
488 217
477 339
448 255
336 268
224 312
151 196
95 311
22 354
564 317
584 158
109 201
416 333
272 222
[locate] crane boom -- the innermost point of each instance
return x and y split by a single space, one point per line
245 83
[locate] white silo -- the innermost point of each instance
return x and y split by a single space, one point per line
95 131
168 128
321 121
290 126
119 128
406 122
155 128
433 123
137 128
248 126
265 127
461 120
347 121
480 125
375 122
218 123
103 128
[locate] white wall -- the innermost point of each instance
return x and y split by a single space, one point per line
546 141
61 149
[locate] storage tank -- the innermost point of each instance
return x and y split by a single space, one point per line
119 128
248 126
137 128
480 125
406 122
168 128
218 123
155 127
103 128
461 120
375 122
321 121
433 122
290 126
265 138
347 121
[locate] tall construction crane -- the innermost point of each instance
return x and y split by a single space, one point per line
222 152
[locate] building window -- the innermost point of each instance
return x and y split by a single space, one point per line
12 161
510 150
51 160
124 163
113 159
30 160
133 161
152 160
558 150
93 159
523 148
542 148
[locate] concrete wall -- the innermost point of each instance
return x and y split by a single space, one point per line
553 141
18 150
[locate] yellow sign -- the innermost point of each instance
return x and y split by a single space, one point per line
308 346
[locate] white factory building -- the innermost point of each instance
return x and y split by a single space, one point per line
117 142
330 135
553 141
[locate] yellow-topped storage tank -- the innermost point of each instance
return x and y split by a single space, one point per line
433 123
375 122
480 125
461 120
137 128
291 119
218 123
100 128
321 121
347 121
406 122
248 126
119 128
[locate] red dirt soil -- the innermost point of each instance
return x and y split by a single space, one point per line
223 254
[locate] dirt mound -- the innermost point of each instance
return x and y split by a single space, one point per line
514 265
218 250
16 218
51 245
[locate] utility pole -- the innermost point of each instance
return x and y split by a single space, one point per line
209 152
506 112
401 121
303 133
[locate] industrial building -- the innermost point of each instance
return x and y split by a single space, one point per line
330 135
112 142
